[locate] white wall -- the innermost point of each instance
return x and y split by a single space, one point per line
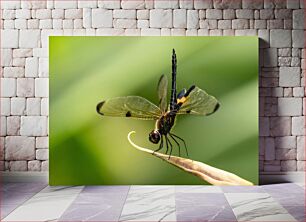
26 26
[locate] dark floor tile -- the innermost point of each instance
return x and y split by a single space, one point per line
98 198
105 189
9 198
92 212
298 212
283 188
15 194
203 207
6 210
289 199
242 189
97 203
22 187
206 213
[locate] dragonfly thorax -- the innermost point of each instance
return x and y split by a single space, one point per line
165 123
162 127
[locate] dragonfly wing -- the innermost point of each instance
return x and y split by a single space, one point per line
162 92
198 102
129 106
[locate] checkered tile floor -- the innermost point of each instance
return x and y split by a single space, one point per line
39 202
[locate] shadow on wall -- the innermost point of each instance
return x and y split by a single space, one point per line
276 106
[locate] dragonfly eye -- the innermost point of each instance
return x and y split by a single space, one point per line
154 136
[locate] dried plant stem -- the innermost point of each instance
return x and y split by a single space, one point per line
205 172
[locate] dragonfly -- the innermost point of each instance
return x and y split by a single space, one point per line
191 101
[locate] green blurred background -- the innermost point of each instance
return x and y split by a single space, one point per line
86 148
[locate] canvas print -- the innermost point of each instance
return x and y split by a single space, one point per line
197 95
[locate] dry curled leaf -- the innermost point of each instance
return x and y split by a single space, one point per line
205 172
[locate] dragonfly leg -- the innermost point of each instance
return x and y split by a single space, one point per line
183 142
179 147
167 146
170 146
160 145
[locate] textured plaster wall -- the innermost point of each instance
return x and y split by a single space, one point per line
26 25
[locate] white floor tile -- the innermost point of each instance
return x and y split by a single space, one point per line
47 205
149 203
257 207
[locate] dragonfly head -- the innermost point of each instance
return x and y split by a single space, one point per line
154 136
